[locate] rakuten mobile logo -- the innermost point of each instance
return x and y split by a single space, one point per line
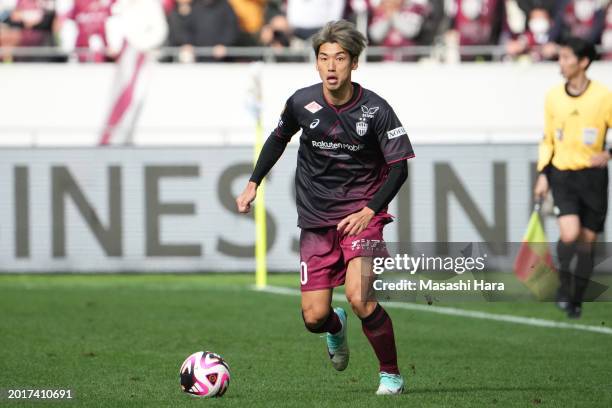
335 146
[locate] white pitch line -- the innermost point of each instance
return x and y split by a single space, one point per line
452 311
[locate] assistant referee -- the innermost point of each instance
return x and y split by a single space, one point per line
573 163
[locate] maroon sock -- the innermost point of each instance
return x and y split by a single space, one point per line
330 325
379 330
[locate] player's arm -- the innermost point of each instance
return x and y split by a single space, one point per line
545 154
396 149
271 151
398 173
357 222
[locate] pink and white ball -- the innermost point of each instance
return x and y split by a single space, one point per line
205 374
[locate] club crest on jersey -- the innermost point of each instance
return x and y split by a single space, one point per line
368 112
313 107
362 128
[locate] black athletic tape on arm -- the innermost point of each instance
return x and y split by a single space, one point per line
271 151
398 173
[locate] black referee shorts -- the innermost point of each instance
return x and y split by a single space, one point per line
583 193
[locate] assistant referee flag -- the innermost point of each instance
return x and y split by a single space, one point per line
534 265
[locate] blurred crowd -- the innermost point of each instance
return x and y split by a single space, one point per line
529 29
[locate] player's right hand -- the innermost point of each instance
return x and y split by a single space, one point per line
245 199
541 187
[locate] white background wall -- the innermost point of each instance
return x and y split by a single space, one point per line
209 103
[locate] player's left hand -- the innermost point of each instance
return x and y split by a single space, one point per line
355 223
600 159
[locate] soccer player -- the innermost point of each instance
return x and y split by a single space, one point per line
352 161
573 162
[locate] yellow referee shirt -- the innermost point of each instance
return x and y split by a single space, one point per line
575 126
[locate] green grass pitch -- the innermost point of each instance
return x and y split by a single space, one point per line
118 341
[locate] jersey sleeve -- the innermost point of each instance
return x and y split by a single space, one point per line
288 124
392 137
546 148
275 144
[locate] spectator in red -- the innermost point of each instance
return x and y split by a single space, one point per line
27 24
535 42
202 23
398 23
81 24
606 38
515 20
476 22
579 18
168 6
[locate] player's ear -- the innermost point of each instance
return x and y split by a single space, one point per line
354 63
584 63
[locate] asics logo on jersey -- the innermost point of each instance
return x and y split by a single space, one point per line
314 123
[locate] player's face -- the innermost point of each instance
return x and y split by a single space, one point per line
569 63
334 65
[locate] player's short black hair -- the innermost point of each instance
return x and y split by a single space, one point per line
342 32
581 48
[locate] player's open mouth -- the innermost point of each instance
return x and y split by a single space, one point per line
332 80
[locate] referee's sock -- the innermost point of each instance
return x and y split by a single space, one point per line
378 328
565 253
584 270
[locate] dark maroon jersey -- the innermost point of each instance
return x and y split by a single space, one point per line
344 151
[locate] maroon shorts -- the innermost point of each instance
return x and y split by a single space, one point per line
325 253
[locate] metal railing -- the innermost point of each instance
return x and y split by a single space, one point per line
268 54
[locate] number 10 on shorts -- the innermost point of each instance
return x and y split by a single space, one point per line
303 273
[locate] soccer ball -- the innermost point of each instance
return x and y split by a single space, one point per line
205 374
